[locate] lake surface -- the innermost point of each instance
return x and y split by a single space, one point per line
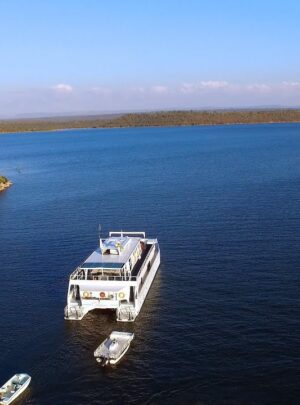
222 320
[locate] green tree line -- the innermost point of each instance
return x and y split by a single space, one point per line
154 119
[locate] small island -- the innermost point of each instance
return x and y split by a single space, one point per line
4 183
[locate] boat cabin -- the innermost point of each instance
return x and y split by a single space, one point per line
115 259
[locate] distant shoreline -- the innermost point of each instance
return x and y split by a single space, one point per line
154 119
146 126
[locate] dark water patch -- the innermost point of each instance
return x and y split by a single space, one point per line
221 321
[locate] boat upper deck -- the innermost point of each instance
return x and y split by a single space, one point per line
113 253
120 257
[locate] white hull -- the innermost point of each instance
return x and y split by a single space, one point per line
16 394
146 287
123 293
105 354
115 361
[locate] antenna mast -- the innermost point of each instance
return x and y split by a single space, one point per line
100 241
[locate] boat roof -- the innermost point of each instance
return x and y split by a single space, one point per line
123 247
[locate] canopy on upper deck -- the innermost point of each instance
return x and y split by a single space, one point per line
98 259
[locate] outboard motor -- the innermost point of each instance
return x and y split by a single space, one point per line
103 361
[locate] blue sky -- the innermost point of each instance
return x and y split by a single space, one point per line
96 56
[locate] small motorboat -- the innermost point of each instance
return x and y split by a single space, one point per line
113 348
13 388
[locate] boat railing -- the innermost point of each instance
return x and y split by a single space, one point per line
126 233
103 278
76 276
79 274
113 278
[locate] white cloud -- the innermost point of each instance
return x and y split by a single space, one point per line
291 85
63 88
137 89
101 90
187 88
190 88
260 88
199 94
214 84
158 89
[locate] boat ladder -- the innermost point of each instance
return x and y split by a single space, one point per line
126 313
73 312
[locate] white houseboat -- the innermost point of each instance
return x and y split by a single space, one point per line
117 276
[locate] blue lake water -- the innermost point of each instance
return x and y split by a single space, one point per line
222 320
